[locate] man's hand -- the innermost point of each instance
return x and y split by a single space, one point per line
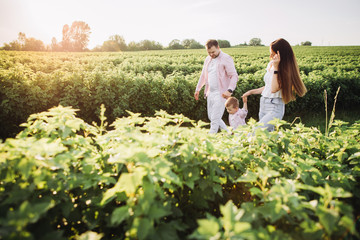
196 95
226 94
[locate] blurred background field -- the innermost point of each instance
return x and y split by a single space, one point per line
144 82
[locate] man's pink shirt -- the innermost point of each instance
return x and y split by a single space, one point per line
226 72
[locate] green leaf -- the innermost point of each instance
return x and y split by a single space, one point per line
145 225
348 223
218 189
119 215
247 177
30 212
129 182
272 211
156 212
228 211
241 227
328 218
266 172
89 235
208 227
354 158
256 191
109 194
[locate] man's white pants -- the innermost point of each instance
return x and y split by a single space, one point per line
215 109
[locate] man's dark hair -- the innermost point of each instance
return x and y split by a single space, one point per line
211 42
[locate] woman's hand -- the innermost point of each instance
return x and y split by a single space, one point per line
276 60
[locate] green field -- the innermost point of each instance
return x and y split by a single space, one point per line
144 82
145 168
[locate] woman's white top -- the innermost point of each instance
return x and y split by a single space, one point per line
212 76
267 79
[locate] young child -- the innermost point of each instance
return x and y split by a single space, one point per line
236 115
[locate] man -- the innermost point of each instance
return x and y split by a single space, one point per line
219 77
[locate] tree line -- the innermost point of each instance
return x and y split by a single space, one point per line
75 38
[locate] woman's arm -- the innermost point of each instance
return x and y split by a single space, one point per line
245 103
254 91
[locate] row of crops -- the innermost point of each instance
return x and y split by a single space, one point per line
144 82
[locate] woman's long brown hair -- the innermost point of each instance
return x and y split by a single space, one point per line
288 76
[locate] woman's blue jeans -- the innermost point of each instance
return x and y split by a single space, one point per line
270 108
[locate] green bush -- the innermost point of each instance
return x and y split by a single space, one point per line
154 178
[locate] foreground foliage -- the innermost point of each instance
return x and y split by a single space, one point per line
154 178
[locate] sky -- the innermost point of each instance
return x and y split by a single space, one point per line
322 22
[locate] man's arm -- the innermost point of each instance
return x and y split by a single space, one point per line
231 72
201 82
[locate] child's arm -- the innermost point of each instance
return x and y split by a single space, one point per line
245 103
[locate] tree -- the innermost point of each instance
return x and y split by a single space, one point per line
66 39
149 45
255 42
98 48
16 45
145 45
12 46
76 37
120 41
25 44
224 43
32 44
196 45
175 44
80 34
241 44
55 46
110 46
157 46
133 46
187 42
21 39
191 44
114 44
307 43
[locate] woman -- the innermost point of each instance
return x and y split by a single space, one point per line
282 83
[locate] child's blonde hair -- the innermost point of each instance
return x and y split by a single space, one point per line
232 101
